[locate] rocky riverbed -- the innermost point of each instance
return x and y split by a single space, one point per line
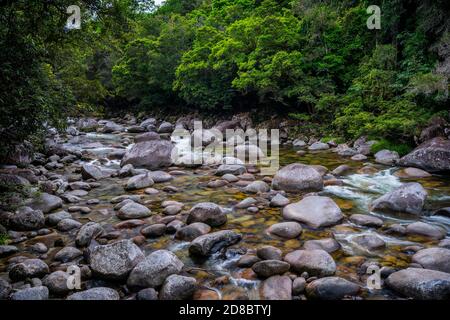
107 198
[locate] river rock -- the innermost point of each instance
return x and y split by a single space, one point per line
90 171
111 127
27 219
154 231
315 211
329 245
152 154
286 230
256 187
115 261
147 294
207 212
154 269
178 287
133 210
297 177
268 268
410 173
386 157
140 181
67 254
35 293
192 231
269 253
208 244
434 259
246 203
165 127
408 198
317 146
160 176
56 282
341 170
422 284
148 136
314 262
432 156
235 169
366 220
369 241
5 289
46 203
99 293
277 288
68 224
331 288
7 250
426 230
279 201
87 233
29 268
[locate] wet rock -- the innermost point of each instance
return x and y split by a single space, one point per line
426 230
67 254
297 177
133 210
192 231
68 224
147 294
386 157
277 288
286 230
29 268
174 226
297 143
256 187
39 248
5 289
115 261
80 209
80 185
148 136
366 220
165 127
136 129
152 154
246 203
298 286
140 181
111 127
207 212
420 284
7 250
208 244
217 183
317 146
329 245
160 176
235 169
315 211
46 203
279 201
434 259
90 171
230 178
87 232
154 231
35 293
408 198
56 282
26 218
314 262
359 157
432 156
331 288
154 269
268 268
247 261
178 287
369 241
269 253
99 293
172 210
147 122
410 173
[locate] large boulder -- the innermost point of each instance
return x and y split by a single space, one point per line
34 293
386 157
331 288
315 262
408 198
29 268
423 229
297 177
99 293
27 219
115 261
45 202
56 282
207 212
154 269
433 259
208 244
133 210
90 171
420 284
432 156
315 211
152 154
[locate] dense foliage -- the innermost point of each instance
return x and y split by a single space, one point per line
314 60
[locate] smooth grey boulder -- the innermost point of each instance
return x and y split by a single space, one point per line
329 245
331 288
315 211
236 169
7 250
210 243
408 198
53 218
426 230
269 253
133 210
279 201
268 268
46 203
154 269
207 212
160 176
91 171
318 146
29 268
297 177
147 294
140 181
115 261
314 262
286 230
434 259
432 156
386 157
151 154
56 282
99 293
178 287
68 224
257 187
67 254
422 284
34 293
366 220
192 231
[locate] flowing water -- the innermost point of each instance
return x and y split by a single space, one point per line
354 196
